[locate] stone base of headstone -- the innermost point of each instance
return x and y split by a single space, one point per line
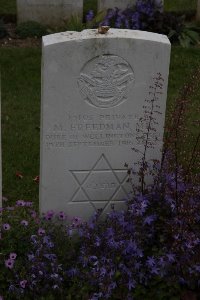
48 12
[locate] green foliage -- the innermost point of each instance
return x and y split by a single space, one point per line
96 20
3 31
180 5
74 24
20 78
8 7
187 35
30 29
158 290
88 5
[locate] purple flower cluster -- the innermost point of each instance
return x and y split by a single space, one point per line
137 17
9 263
156 237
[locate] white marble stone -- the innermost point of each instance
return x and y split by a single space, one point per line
48 12
106 4
94 88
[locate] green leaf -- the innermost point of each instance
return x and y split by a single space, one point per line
184 40
193 35
172 33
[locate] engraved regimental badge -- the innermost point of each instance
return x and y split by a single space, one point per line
105 80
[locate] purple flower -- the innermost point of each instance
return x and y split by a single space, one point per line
33 214
6 226
89 16
112 286
41 231
20 203
31 257
72 272
55 286
34 239
49 215
9 263
23 283
97 241
149 219
103 271
76 221
197 268
62 215
93 260
131 284
118 22
171 257
28 203
51 257
13 256
131 247
10 208
24 223
1 297
151 261
47 241
155 270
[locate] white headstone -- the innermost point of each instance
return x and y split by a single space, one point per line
106 4
48 12
93 92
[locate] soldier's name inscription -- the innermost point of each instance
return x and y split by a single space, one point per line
93 130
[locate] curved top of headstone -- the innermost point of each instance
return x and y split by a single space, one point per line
112 33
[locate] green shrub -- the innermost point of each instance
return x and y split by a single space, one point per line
31 29
3 31
74 24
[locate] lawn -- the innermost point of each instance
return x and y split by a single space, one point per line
8 7
20 70
180 5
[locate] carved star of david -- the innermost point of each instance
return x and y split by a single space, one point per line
101 185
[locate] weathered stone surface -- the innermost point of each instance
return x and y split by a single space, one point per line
48 12
93 92
106 4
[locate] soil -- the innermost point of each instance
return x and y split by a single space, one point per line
12 40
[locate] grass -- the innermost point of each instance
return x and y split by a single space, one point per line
180 5
8 7
20 70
